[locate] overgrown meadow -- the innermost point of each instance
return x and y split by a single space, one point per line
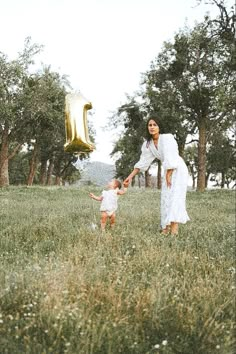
67 288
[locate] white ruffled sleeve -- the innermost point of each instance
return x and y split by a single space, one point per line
146 158
170 152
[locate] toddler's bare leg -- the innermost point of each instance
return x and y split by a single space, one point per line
112 220
103 220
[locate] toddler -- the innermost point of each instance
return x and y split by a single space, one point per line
109 203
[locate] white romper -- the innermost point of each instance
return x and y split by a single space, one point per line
173 199
109 202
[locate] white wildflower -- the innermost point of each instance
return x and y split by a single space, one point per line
232 270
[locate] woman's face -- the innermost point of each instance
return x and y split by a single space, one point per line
153 127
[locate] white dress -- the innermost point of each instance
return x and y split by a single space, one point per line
109 202
173 199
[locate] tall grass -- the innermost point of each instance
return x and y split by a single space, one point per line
67 288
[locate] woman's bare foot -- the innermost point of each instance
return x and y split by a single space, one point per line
174 226
165 231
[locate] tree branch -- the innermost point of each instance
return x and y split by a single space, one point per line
14 151
192 141
65 167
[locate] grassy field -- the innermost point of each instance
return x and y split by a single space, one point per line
67 288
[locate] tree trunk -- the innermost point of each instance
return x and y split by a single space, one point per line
194 183
58 181
50 170
139 181
147 179
222 180
158 174
207 179
43 172
4 174
181 147
58 172
33 165
227 181
201 157
191 168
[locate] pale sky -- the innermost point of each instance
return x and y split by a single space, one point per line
102 45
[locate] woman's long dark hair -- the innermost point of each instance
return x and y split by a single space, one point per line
148 135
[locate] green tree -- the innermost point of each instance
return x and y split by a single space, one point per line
195 68
163 96
221 158
44 97
13 75
19 168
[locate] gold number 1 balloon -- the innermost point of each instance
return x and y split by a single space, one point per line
77 137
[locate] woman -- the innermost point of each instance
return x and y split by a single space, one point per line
174 185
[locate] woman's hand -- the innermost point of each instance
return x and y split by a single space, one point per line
168 178
127 181
126 184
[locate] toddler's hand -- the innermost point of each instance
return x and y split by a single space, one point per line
126 184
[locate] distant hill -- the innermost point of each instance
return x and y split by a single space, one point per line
98 173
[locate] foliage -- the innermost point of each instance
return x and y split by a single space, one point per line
225 22
221 158
19 168
190 157
131 116
66 288
45 96
194 68
13 75
163 95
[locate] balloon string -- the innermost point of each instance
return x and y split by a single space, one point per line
94 214
99 170
94 211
